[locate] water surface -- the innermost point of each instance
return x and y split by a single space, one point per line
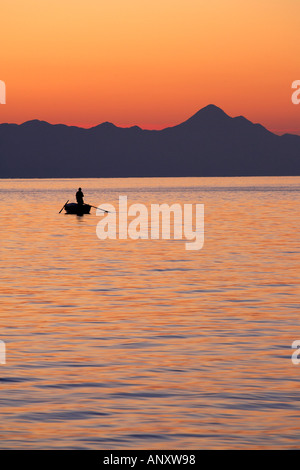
141 344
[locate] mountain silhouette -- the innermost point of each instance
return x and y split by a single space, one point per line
210 143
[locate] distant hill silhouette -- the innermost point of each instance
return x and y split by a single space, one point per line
210 143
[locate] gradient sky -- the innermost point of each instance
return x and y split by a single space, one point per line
153 63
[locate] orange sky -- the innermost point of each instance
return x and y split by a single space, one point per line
151 63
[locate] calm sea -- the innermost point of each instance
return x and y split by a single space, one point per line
123 344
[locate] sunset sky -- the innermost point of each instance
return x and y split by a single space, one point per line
151 63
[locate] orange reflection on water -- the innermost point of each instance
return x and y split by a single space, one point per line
142 344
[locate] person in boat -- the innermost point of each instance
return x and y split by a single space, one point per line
79 197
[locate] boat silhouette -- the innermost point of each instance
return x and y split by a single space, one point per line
78 209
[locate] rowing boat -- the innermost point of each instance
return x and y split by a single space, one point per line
78 209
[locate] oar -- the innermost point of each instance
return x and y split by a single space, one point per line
100 209
63 206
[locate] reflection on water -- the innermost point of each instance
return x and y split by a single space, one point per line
142 344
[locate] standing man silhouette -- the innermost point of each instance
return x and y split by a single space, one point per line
79 197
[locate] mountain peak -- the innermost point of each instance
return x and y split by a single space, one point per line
104 126
210 110
35 122
210 114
